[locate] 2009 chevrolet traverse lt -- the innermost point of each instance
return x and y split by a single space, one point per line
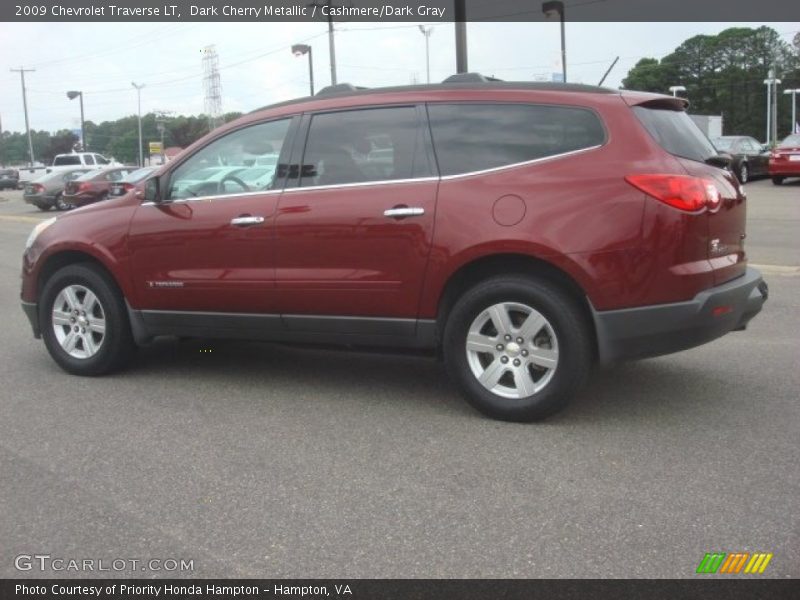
523 230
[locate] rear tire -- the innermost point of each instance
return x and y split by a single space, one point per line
518 348
84 321
61 204
44 207
777 180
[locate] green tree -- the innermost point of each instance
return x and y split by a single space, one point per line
724 74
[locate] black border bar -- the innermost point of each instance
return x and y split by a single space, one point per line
395 10
407 589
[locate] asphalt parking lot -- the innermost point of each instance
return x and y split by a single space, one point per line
259 460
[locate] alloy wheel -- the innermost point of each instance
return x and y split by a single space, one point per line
512 350
79 321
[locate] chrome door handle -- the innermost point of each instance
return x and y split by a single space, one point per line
246 220
403 211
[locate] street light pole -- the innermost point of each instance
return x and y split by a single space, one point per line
299 50
427 31
139 101
72 95
676 88
550 9
794 93
772 106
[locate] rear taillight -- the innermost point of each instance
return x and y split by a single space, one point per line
690 194
84 187
128 187
37 188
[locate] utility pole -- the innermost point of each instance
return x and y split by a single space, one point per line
331 45
461 36
22 72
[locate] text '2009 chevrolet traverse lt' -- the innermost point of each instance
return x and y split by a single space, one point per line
524 231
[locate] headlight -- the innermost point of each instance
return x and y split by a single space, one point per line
39 228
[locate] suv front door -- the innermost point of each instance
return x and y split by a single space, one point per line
353 235
207 245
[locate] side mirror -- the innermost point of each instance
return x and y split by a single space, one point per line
151 191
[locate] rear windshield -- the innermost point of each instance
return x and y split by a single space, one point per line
724 143
69 159
90 175
675 131
138 174
792 140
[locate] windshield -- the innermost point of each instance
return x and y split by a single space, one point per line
792 140
676 132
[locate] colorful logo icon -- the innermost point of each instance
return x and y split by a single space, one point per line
734 562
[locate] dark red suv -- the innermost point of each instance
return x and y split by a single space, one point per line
523 230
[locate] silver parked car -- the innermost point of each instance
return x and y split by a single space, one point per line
47 191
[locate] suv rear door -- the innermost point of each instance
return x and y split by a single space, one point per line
354 231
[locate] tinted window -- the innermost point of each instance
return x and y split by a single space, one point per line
675 131
377 144
474 137
100 160
212 171
67 159
89 159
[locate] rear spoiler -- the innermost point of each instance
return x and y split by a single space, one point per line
659 101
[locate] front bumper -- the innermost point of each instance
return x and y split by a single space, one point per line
647 331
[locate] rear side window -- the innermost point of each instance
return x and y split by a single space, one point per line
475 137
89 159
359 146
675 132
67 159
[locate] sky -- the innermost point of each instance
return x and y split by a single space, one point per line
257 67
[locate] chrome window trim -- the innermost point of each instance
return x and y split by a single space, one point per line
521 164
426 179
214 197
429 179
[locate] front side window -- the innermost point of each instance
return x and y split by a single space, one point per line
237 163
100 160
367 145
89 159
474 137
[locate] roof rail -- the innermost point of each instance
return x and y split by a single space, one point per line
339 87
469 78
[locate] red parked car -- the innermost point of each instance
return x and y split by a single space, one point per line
784 161
93 186
523 230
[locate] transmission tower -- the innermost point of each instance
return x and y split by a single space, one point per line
212 89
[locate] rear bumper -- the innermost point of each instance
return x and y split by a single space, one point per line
785 168
665 328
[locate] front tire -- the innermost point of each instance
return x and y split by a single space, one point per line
84 322
518 348
744 173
